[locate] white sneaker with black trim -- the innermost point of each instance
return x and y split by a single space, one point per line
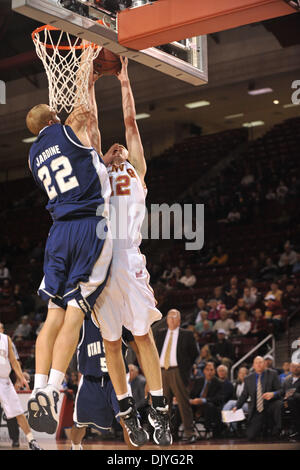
47 399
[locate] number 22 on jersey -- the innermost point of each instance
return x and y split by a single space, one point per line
62 169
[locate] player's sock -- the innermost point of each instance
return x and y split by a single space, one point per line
124 403
40 381
56 378
158 399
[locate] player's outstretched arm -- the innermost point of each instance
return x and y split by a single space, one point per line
84 119
133 139
16 366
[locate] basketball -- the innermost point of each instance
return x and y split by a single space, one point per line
107 63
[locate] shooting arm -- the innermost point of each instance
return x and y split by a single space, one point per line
133 139
84 120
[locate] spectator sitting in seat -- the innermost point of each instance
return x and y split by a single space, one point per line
214 311
259 325
250 284
169 273
231 297
238 387
288 255
203 318
290 394
218 294
269 271
189 279
275 291
204 357
286 371
206 399
207 331
269 363
274 314
220 258
243 325
291 297
240 306
224 323
201 305
227 386
250 298
223 350
23 330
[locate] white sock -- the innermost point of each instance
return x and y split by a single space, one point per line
156 393
56 378
29 436
125 395
40 381
76 446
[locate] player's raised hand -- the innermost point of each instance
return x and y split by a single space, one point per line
123 74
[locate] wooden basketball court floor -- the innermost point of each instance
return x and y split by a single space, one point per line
211 444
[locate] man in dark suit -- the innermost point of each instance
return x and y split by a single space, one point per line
263 388
290 393
207 398
177 350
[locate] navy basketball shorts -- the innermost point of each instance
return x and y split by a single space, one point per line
96 403
76 263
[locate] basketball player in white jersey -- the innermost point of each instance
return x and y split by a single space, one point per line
128 299
9 399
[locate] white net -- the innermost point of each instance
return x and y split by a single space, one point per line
67 62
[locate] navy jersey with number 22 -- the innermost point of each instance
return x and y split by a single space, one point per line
73 176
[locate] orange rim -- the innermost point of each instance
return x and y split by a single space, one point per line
62 48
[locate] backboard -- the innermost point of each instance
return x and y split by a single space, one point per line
185 60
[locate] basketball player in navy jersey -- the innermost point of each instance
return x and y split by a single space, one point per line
65 164
96 403
128 299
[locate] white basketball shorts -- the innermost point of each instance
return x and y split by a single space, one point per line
127 298
9 398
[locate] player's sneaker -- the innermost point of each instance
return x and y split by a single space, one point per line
136 434
33 445
160 421
47 399
34 413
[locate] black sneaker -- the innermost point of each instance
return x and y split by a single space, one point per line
33 445
136 434
47 399
160 421
15 444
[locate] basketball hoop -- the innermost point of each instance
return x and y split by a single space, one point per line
66 60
